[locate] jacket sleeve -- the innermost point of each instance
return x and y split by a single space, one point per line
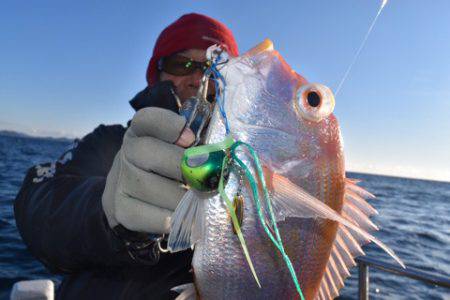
59 210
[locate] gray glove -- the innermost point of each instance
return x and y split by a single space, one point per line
144 186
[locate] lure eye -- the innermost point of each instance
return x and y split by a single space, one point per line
314 102
197 160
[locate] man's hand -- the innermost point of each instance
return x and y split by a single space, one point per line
144 186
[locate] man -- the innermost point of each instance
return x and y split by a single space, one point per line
97 213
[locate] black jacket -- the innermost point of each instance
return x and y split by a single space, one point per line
60 217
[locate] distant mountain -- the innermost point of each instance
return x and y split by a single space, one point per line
11 133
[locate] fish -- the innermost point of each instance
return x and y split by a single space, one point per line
323 217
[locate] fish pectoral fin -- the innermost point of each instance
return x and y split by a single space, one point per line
290 200
187 222
186 292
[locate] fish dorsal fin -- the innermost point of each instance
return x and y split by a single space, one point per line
265 45
347 245
290 200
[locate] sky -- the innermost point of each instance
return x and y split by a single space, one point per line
68 66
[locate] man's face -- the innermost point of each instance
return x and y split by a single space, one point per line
187 86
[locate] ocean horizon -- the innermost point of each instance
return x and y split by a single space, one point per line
69 138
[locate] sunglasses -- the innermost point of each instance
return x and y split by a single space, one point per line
179 65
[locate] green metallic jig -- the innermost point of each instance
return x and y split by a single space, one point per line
202 172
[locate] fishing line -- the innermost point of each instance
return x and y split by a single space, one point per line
360 47
220 93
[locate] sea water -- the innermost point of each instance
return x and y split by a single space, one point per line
414 221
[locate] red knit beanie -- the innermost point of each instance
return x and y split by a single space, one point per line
191 31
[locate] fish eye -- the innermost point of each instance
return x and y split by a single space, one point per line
314 102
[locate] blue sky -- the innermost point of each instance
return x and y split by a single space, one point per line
68 66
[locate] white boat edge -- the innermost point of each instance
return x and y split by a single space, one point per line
41 289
